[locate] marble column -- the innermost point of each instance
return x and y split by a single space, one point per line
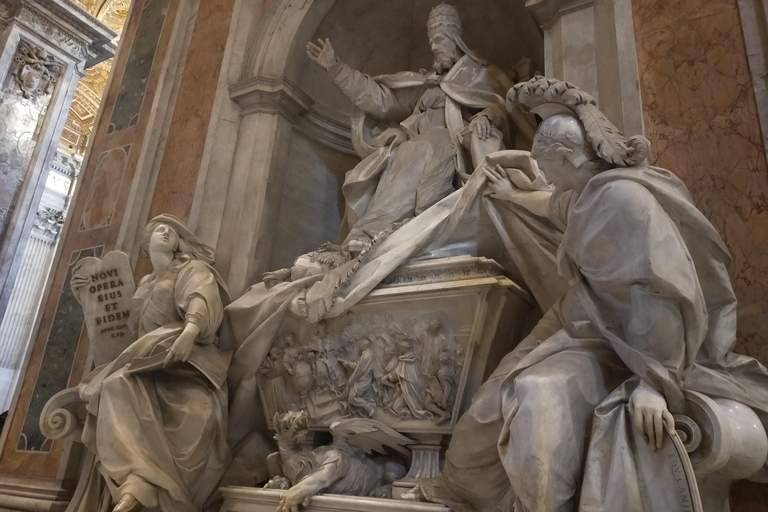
17 324
45 45
592 44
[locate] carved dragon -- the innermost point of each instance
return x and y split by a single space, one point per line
346 466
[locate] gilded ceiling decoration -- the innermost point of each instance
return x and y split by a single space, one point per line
85 105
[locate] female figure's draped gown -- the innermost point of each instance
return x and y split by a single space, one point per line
158 433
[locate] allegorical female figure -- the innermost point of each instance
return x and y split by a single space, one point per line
408 401
157 414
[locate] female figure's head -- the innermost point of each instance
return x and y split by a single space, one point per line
164 239
167 235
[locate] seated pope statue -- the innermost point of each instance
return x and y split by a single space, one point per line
650 315
431 129
157 414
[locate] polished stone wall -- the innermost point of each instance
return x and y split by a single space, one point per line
178 176
701 118
19 118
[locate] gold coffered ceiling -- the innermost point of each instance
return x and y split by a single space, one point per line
85 105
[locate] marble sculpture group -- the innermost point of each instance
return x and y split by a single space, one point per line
629 281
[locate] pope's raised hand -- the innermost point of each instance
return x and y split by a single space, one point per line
322 53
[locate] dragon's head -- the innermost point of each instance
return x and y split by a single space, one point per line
291 428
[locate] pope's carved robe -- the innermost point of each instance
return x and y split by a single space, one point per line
420 142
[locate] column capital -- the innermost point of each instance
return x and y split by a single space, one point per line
546 12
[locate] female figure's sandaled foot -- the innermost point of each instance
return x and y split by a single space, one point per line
127 503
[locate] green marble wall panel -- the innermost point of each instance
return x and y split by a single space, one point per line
139 65
60 351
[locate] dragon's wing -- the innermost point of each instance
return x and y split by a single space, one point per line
369 435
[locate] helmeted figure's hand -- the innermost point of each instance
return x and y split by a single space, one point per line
513 185
651 416
499 185
322 53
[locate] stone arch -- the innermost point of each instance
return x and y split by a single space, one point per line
281 30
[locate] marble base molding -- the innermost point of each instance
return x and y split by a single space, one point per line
245 499
30 494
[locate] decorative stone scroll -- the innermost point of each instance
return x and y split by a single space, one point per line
106 302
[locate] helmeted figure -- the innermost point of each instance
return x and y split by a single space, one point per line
650 315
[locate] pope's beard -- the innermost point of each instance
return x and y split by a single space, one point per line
444 61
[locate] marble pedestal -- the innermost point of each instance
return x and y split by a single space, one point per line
410 355
244 499
456 317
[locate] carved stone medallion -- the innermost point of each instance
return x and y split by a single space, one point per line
34 71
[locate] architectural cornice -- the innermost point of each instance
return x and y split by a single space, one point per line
546 12
282 97
270 96
65 25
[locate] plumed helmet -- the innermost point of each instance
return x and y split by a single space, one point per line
549 97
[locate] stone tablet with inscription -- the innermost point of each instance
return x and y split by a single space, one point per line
106 302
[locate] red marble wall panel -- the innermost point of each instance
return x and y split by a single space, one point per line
701 118
177 179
